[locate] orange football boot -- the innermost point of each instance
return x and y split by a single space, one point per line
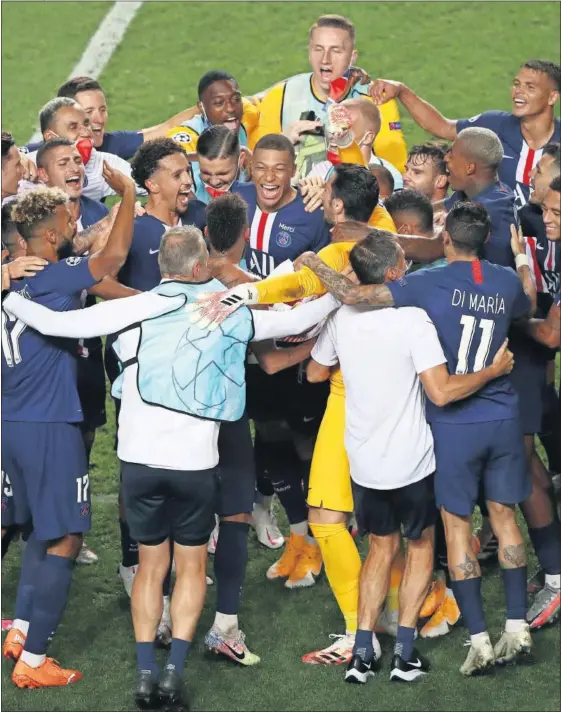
13 645
48 674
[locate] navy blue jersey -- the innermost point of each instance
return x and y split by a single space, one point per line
121 143
91 211
544 255
141 270
519 159
39 372
472 305
280 236
498 199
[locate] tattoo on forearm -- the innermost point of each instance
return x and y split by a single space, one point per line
375 295
84 240
466 570
513 557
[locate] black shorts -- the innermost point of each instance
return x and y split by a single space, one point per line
384 512
91 385
175 504
236 491
288 396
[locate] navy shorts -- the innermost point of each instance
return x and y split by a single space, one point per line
237 469
468 454
91 385
48 472
529 381
8 508
174 504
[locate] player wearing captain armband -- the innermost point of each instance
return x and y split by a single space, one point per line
331 52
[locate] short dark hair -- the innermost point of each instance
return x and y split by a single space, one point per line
553 150
433 151
47 147
468 225
276 142
337 21
411 201
357 188
383 175
552 70
371 257
556 184
215 75
50 110
10 234
145 161
226 219
7 142
218 142
76 85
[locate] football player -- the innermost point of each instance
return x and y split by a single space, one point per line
426 170
40 404
523 133
472 303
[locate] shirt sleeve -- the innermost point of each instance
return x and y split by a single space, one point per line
99 320
487 120
426 350
407 290
279 324
122 143
324 351
66 277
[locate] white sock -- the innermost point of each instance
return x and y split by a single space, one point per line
479 638
226 623
553 580
350 633
300 529
268 502
449 593
33 660
21 625
513 625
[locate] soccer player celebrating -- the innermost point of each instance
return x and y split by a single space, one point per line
12 167
50 480
426 170
331 52
523 133
472 304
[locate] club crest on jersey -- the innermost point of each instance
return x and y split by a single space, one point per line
85 510
73 261
182 137
283 239
395 125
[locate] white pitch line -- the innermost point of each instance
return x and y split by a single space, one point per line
104 42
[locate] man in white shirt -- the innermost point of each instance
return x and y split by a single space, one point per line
169 458
65 118
386 358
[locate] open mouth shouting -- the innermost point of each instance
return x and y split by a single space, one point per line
183 198
270 193
232 123
74 183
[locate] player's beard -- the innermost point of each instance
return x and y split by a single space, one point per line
65 250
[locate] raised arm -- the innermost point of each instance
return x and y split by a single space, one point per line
85 240
99 320
422 113
518 246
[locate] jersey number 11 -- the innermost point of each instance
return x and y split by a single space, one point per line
487 327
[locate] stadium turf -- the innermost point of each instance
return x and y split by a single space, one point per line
461 56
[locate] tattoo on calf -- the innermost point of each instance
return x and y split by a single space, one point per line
469 568
513 557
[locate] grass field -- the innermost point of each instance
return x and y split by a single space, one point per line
459 55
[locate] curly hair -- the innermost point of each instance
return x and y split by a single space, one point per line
145 161
35 207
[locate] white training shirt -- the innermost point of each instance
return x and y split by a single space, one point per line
381 352
95 186
150 435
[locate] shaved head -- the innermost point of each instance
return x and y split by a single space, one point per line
480 145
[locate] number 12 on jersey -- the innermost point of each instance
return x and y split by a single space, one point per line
10 340
469 324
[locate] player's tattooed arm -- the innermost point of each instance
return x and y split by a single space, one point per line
374 295
512 557
96 235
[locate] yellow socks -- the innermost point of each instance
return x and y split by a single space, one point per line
342 567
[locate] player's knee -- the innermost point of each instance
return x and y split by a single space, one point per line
501 515
385 547
454 524
319 515
67 546
244 518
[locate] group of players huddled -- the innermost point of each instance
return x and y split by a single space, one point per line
279 198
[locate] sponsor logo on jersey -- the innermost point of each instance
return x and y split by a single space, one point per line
283 239
73 261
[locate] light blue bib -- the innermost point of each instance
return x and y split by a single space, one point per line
184 368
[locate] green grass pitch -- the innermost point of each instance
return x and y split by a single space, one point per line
459 55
